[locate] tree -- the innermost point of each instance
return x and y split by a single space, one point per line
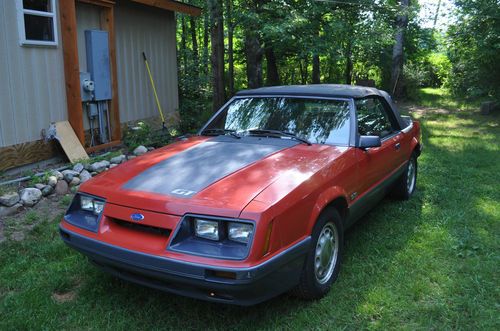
397 51
217 57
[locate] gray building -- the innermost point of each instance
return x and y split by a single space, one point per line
43 50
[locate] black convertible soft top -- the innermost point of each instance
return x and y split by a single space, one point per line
325 90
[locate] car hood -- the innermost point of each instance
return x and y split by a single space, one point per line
201 175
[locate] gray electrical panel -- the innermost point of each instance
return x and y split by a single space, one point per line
97 47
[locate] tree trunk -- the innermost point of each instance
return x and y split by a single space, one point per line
253 53
348 64
183 43
205 42
217 56
397 51
194 41
230 51
272 74
316 69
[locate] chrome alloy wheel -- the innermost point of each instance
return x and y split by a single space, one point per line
326 253
410 176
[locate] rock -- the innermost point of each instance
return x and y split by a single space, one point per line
57 174
85 176
150 148
118 159
87 166
7 211
69 171
9 199
75 188
99 166
75 181
93 173
61 187
52 181
40 186
140 150
68 177
130 157
112 165
30 196
47 190
78 167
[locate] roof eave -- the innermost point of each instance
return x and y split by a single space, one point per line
172 5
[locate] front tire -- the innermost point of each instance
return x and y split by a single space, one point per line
324 258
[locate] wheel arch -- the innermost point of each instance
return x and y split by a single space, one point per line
334 197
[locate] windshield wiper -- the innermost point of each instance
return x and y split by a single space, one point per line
264 132
218 132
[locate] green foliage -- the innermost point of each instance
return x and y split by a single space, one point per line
474 49
143 134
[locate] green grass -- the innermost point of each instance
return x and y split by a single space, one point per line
429 263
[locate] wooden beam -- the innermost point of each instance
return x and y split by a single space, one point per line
108 23
26 153
101 3
71 67
172 6
103 146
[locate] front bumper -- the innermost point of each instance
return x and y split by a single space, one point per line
249 286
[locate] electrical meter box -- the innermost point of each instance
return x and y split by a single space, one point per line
98 65
86 92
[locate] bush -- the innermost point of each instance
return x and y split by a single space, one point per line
142 134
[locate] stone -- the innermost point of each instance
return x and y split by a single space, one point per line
40 186
85 176
7 211
75 181
150 149
78 167
75 188
68 177
112 165
131 157
118 159
93 173
61 187
140 150
52 181
57 174
100 166
47 190
30 196
72 172
9 199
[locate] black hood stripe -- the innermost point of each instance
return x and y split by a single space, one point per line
190 171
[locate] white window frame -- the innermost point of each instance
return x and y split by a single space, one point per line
20 23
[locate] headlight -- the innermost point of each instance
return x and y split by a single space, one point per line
85 212
206 229
241 232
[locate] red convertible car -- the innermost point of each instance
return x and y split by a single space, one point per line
254 205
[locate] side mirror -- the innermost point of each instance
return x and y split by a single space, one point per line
369 142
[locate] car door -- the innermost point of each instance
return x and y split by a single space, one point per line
376 165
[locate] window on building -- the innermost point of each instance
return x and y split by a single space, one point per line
37 22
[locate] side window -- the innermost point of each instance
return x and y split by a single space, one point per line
37 24
373 119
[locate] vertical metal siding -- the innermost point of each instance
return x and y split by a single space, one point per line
32 93
140 28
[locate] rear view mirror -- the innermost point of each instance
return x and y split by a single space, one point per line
369 142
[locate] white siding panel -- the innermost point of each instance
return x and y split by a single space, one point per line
140 28
33 92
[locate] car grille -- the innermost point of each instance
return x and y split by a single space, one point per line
142 227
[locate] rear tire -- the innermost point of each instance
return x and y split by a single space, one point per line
324 258
406 184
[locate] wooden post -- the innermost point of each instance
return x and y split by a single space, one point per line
108 23
71 67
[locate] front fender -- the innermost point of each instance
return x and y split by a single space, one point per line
324 199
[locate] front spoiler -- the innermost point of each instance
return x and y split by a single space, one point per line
250 285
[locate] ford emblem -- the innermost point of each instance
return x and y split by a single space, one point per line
137 217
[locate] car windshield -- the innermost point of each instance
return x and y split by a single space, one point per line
322 121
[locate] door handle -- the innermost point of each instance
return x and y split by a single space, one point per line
397 146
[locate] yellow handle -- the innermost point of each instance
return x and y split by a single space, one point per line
154 91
